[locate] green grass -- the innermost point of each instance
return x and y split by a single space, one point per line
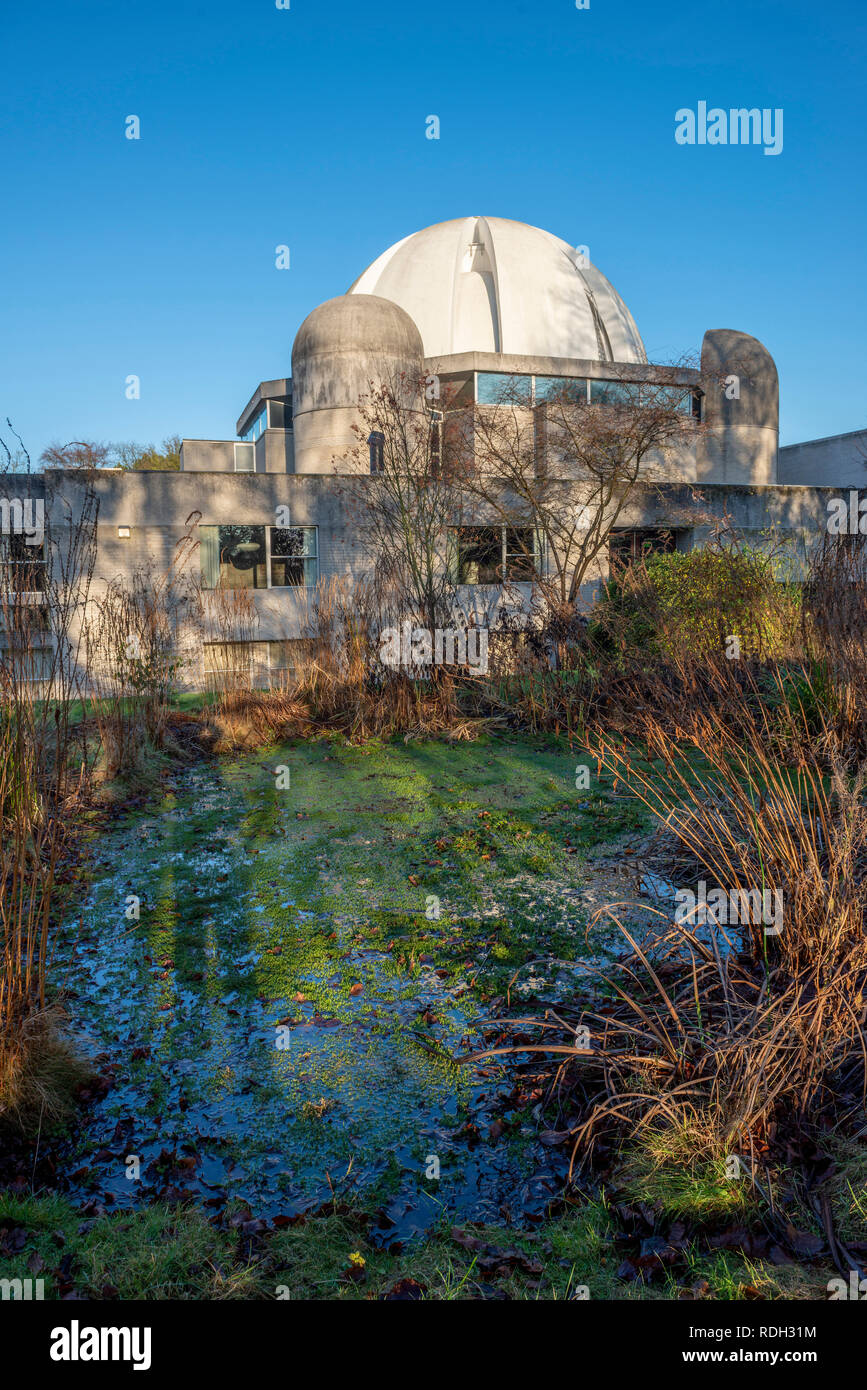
164 1252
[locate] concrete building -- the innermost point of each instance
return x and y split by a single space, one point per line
465 305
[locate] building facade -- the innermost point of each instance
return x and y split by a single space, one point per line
462 306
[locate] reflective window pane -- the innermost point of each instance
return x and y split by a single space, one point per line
561 388
480 555
293 557
498 388
242 557
520 553
612 393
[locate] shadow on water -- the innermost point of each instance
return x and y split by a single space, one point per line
264 1038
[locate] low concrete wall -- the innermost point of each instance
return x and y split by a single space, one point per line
840 461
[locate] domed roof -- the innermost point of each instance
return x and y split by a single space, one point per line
365 322
344 344
486 284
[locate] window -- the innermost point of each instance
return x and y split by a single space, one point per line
494 554
245 458
457 392
376 445
22 661
22 566
612 393
571 389
258 427
294 561
280 415
242 557
480 555
233 557
258 557
628 547
520 554
688 403
436 443
497 388
289 657
685 400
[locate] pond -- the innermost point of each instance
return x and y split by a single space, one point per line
278 961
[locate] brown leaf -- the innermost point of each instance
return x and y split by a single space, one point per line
553 1137
403 1291
804 1242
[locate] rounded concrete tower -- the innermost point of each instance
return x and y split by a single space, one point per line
341 348
742 410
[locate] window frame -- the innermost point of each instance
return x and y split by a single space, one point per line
536 398
251 435
376 449
244 444
538 558
314 530
268 530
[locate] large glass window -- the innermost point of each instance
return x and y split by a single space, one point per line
293 557
627 547
258 557
456 392
498 388
494 554
280 415
274 415
479 555
560 388
520 553
241 556
612 392
259 425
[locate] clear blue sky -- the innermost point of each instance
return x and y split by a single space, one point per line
261 126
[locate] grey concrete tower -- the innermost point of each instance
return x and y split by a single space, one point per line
341 348
742 410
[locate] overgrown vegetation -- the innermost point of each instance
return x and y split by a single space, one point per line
716 696
40 783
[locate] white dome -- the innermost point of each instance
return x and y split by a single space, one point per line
485 284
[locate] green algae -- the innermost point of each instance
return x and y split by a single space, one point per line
308 959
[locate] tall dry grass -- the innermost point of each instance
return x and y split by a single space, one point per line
42 770
342 685
135 643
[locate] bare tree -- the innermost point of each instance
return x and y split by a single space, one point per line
45 577
559 471
404 491
78 454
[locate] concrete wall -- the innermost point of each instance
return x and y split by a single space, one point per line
839 461
208 456
159 507
274 452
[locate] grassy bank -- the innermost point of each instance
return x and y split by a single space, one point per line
177 1253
